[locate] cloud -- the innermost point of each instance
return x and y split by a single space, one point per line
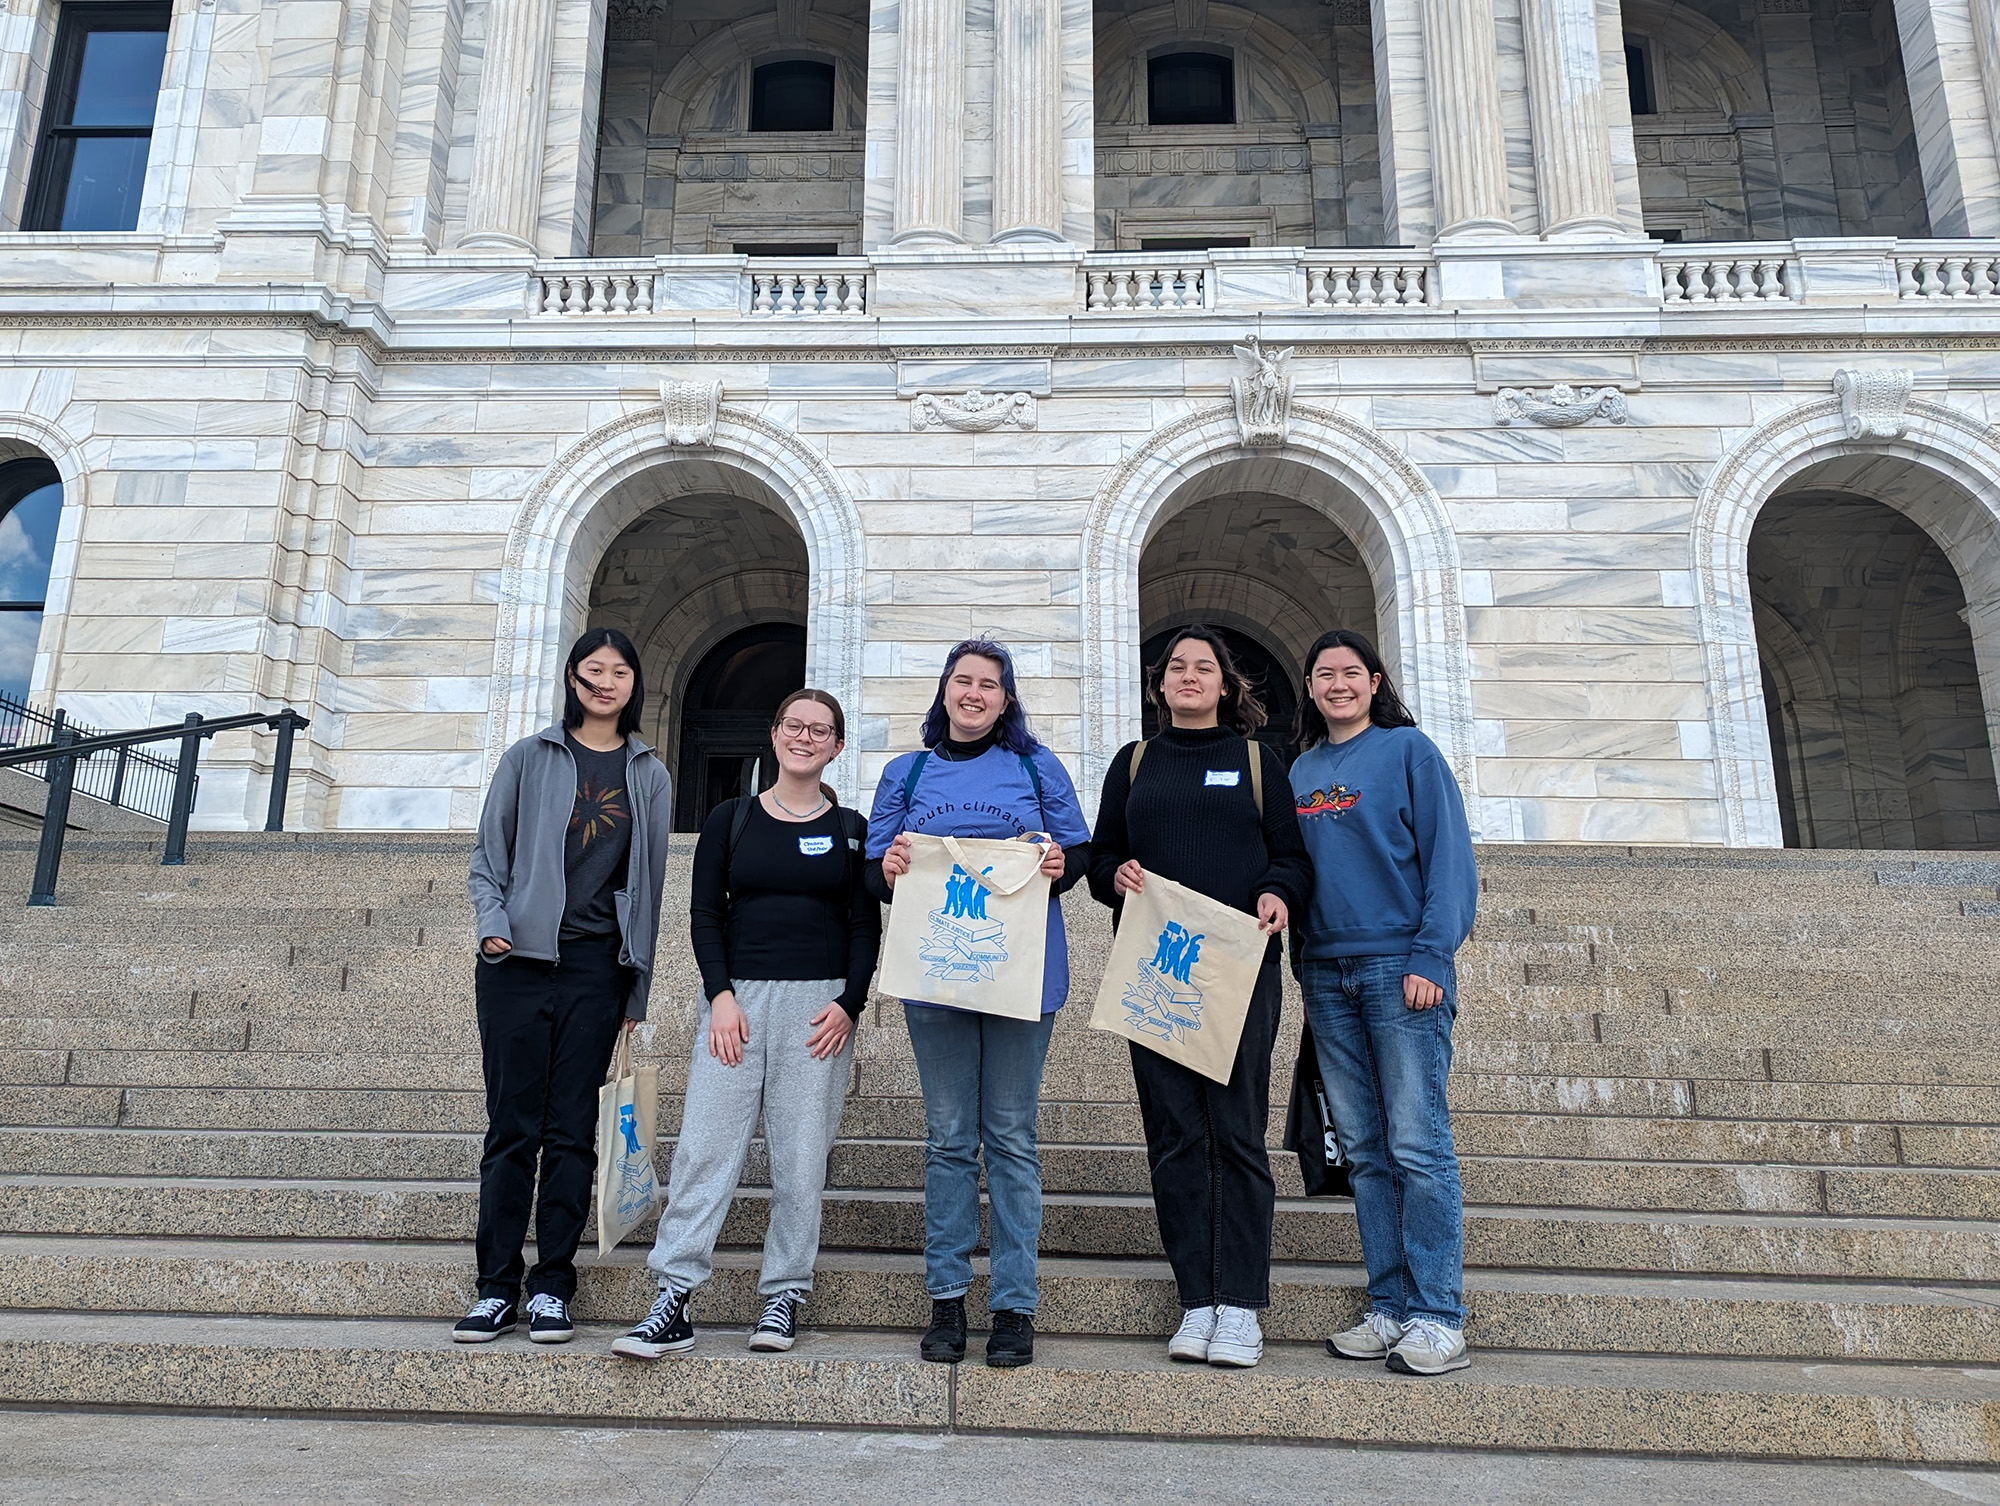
18 633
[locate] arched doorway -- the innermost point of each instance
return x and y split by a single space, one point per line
1270 573
725 747
30 506
1878 729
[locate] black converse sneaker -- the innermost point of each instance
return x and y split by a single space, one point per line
780 1324
664 1330
548 1319
490 1317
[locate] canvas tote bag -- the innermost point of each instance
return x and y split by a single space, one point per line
627 1110
1180 977
969 926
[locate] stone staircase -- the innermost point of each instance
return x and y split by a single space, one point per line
1730 1125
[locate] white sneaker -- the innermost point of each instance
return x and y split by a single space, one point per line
1429 1348
1190 1341
1238 1341
1370 1339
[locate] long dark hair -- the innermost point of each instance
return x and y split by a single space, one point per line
1239 710
1011 731
1385 710
592 640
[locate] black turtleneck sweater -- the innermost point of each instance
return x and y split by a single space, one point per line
1186 821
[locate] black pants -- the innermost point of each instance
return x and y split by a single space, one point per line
546 1030
1212 1184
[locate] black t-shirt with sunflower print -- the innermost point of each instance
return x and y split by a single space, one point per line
597 844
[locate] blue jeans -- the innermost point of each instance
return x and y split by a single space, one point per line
982 1078
1384 1065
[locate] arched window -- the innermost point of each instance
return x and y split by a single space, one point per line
726 717
1191 88
792 96
30 504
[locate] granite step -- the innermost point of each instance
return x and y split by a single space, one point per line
1135 1298
1698 1407
1726 1244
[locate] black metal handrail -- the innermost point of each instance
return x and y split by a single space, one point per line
128 778
67 749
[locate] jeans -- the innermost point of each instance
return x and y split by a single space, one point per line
800 1100
982 1080
1212 1186
546 1030
1384 1065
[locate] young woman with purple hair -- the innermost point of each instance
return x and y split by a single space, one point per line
981 773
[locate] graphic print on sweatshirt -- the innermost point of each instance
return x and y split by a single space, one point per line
597 812
1331 801
1163 1001
964 944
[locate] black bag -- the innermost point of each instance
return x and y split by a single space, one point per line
1309 1128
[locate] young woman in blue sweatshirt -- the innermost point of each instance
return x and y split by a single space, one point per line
1393 896
981 773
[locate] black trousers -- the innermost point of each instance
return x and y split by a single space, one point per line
1212 1185
546 1031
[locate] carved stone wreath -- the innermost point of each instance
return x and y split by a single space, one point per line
1562 407
972 412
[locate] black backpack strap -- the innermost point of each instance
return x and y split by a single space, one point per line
910 782
739 823
1035 778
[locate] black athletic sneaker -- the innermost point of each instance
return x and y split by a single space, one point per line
548 1319
945 1340
490 1317
664 1330
1012 1342
780 1324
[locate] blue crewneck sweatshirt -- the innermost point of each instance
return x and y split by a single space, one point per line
1393 870
991 795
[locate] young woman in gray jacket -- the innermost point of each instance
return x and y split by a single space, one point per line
566 882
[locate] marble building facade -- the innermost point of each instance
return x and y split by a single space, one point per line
1630 368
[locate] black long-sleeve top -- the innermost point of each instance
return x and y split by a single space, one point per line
790 902
1191 818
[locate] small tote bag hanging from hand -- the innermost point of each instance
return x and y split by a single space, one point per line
627 1111
1181 974
969 926
1310 1133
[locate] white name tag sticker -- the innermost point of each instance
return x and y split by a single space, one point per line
1223 776
815 847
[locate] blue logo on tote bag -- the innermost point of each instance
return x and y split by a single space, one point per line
963 944
1162 1001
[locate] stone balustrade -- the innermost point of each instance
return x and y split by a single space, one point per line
1710 274
1120 283
1369 283
807 287
586 288
1957 269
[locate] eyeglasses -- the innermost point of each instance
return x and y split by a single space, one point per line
821 732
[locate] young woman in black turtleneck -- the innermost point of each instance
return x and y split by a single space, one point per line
1192 816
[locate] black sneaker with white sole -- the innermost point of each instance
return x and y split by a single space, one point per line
664 1330
548 1319
490 1317
779 1326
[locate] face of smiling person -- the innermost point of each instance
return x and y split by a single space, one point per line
1192 686
973 699
603 682
1343 689
803 740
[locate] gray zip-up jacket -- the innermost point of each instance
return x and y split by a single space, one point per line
517 884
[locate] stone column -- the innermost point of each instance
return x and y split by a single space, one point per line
930 121
504 191
1468 154
1953 116
1027 120
1572 133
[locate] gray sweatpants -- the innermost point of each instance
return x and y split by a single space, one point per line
800 1099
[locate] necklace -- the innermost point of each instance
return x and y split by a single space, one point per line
798 815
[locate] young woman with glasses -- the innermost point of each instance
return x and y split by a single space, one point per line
785 933
565 884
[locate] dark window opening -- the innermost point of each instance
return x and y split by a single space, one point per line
1192 242
726 717
1669 236
97 118
1639 79
1191 88
30 507
794 96
787 248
